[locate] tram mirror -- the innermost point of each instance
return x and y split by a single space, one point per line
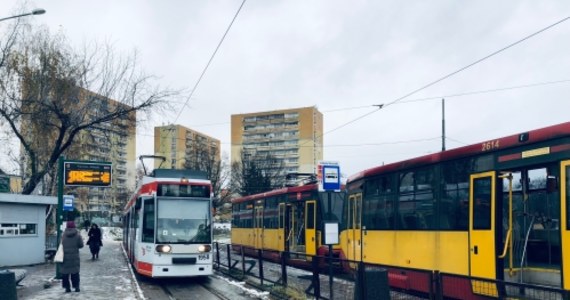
138 204
551 184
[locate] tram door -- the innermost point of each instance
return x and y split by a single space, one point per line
535 257
482 252
281 238
353 223
565 221
311 230
295 233
258 226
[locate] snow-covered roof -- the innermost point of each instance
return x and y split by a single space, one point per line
27 199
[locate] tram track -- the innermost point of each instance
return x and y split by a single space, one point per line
202 288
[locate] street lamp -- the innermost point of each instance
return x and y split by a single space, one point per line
37 11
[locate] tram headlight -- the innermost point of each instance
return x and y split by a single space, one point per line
163 248
204 248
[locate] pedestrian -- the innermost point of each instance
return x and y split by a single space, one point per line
86 224
94 241
72 242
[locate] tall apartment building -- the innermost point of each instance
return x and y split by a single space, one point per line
113 142
291 137
183 147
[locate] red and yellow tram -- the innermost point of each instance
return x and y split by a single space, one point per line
287 219
497 210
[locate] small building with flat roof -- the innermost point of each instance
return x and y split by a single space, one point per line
23 228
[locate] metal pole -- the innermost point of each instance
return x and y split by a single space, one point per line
59 210
329 202
442 124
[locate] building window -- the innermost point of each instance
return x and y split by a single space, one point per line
14 229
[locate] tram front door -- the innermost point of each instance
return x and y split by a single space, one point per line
258 227
354 248
311 229
482 248
565 221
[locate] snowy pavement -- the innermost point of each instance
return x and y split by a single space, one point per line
106 278
110 277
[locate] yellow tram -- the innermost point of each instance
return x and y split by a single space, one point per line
287 219
496 210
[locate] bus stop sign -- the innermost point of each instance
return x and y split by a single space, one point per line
68 202
328 175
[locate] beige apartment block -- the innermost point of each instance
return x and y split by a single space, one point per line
184 148
293 137
113 141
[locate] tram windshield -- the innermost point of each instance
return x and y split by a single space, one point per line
336 204
183 221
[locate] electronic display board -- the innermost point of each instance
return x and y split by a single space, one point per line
87 174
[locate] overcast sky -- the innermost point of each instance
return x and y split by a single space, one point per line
343 57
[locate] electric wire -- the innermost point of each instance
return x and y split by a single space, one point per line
380 106
209 62
449 96
477 61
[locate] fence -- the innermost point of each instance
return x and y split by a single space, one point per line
51 242
289 275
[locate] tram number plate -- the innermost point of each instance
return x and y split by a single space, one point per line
203 256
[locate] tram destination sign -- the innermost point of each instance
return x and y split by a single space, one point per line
87 173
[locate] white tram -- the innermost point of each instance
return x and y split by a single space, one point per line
167 228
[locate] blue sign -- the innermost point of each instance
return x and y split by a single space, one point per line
68 202
331 178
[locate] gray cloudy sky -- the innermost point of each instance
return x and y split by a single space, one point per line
343 57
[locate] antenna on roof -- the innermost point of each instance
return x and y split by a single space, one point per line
162 158
299 179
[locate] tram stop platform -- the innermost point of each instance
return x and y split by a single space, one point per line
107 278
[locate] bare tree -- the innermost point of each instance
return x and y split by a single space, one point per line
50 93
207 159
255 174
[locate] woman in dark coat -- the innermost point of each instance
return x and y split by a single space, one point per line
94 241
72 242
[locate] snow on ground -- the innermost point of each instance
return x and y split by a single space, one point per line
227 226
112 233
241 285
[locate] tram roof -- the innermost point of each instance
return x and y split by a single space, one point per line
174 173
281 191
531 137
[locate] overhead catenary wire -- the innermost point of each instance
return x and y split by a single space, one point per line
397 100
461 94
447 96
208 64
477 61
209 61
383 105
344 145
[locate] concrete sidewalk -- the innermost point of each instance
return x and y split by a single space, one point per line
106 278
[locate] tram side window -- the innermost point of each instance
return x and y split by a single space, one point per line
246 215
235 216
270 214
378 204
454 204
311 215
416 199
482 204
148 221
